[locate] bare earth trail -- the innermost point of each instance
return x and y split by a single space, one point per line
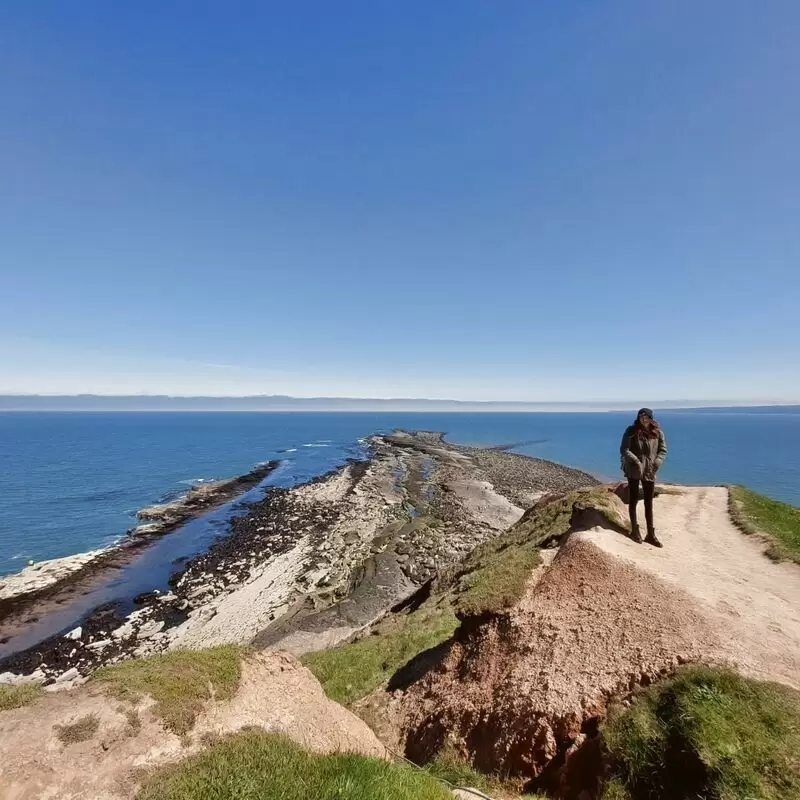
755 601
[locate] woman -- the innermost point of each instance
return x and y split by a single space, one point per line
643 451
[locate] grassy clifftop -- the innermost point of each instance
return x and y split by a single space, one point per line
706 733
778 522
179 681
255 764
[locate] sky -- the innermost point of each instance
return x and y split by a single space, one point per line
480 200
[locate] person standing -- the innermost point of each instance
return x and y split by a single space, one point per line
643 451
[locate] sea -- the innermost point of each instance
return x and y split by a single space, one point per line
72 481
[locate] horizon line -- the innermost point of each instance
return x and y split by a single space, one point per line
281 402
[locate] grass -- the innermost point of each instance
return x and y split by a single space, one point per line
179 681
498 582
449 767
457 772
19 695
552 517
779 522
134 723
495 575
79 731
351 671
706 733
253 765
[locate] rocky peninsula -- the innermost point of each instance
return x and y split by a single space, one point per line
303 568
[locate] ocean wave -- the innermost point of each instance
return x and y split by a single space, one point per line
193 481
316 444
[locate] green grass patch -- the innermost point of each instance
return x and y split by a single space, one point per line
551 517
777 521
18 695
79 731
494 576
179 681
706 734
498 582
255 765
448 766
351 671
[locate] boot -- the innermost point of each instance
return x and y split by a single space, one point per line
635 535
652 538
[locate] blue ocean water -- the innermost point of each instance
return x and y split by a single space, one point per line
71 482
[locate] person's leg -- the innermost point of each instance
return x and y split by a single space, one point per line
633 500
649 488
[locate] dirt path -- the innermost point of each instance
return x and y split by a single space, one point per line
755 601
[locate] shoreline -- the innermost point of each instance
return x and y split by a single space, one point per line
39 589
309 566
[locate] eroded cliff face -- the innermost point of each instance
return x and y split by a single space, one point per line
524 690
522 687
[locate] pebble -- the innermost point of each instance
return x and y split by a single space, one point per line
75 633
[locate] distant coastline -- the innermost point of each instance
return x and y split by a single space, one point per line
90 402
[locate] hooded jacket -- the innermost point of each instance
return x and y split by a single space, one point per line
641 457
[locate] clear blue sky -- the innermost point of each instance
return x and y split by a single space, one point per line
480 200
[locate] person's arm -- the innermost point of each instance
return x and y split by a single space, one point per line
662 449
628 456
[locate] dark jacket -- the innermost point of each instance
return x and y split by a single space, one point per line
641 457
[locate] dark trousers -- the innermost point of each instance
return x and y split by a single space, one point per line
649 488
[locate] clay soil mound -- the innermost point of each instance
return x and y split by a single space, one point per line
85 744
520 691
518 688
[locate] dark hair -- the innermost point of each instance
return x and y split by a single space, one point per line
646 430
